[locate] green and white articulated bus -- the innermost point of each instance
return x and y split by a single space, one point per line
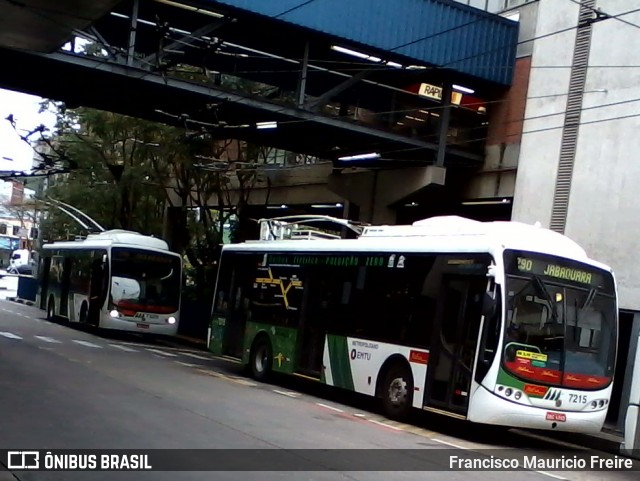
116 279
500 323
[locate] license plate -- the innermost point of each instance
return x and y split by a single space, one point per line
143 326
557 417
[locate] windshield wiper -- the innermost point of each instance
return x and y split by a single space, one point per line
543 292
587 303
590 297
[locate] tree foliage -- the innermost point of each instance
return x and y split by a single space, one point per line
131 171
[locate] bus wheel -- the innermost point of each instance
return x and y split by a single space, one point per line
83 313
397 392
261 359
51 309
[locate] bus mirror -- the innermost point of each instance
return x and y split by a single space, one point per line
489 305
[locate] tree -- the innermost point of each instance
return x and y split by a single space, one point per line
128 171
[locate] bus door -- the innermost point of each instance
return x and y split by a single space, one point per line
453 343
45 274
317 303
96 291
65 286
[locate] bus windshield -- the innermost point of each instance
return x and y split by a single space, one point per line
145 281
561 321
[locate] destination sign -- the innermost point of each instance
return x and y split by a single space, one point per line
121 254
551 270
557 268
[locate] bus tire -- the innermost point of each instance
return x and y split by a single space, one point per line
261 359
84 312
51 309
397 392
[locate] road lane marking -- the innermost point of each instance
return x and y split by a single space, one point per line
86 344
9 335
244 382
187 364
212 373
359 415
142 345
449 444
286 393
229 359
385 425
162 353
330 407
195 356
48 339
551 475
123 348
237 380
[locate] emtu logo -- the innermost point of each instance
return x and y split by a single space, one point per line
23 460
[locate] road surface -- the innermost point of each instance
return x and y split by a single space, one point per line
65 388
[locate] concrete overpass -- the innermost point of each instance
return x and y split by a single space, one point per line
332 81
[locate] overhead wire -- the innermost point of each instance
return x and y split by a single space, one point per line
296 7
597 11
105 60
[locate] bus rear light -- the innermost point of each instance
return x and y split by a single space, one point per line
114 313
171 320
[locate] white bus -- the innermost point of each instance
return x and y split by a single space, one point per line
113 280
499 323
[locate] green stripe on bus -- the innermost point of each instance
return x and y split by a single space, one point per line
506 379
340 366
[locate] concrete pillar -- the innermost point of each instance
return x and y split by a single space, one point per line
374 191
630 412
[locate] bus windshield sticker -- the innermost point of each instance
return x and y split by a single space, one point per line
534 356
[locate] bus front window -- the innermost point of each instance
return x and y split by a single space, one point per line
558 334
145 281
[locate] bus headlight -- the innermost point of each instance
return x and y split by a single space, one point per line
171 320
508 392
114 313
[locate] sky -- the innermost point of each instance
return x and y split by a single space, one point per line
25 112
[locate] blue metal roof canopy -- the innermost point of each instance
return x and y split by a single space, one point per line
439 33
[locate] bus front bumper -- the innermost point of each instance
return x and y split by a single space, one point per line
164 328
488 408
